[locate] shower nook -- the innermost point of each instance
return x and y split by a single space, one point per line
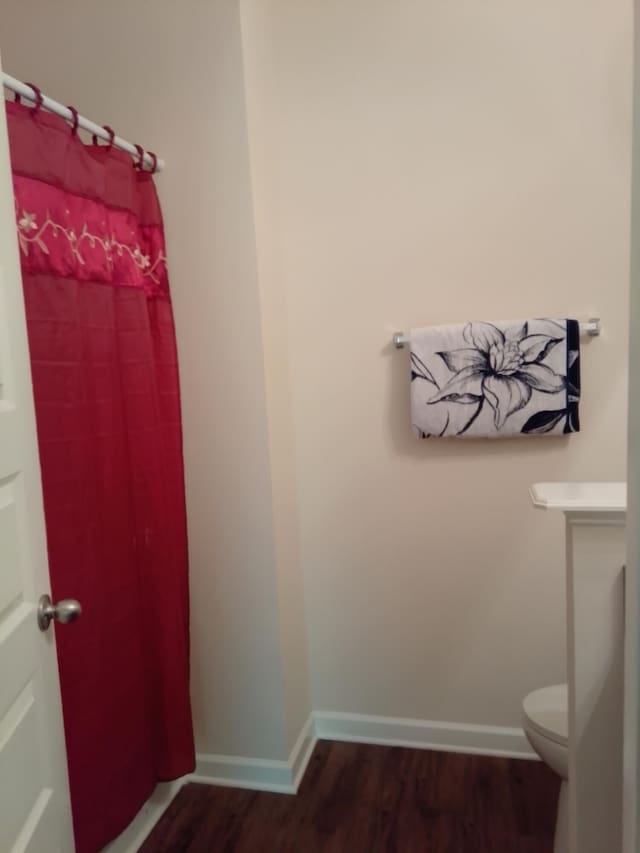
85 220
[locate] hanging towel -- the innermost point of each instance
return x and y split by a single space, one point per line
496 380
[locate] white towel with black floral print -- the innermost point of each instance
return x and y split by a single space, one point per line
496 380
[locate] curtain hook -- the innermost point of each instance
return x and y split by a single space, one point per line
140 162
112 136
37 97
76 120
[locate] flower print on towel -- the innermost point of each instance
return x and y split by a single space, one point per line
496 379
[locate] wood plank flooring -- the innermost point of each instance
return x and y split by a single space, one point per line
357 798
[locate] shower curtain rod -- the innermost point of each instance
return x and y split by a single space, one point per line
25 91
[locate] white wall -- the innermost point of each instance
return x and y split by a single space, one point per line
438 162
170 76
339 171
631 822
273 300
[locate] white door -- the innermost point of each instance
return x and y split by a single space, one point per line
35 813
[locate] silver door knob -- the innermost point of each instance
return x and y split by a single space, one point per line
64 611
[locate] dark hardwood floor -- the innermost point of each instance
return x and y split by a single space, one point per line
363 799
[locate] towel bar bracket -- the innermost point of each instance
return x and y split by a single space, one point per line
591 328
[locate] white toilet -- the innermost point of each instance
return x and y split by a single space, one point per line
545 721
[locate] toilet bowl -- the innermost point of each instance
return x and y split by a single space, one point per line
545 720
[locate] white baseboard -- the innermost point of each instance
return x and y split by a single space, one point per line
131 839
284 777
423 734
301 752
259 774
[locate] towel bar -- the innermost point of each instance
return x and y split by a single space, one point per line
591 328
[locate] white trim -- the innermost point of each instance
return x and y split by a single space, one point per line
302 751
423 734
259 774
134 835
284 777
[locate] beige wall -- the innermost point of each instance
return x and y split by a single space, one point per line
174 82
438 162
338 171
259 80
631 822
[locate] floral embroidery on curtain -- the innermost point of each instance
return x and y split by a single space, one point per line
28 223
84 238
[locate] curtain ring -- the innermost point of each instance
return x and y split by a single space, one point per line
37 97
140 163
76 120
154 168
112 136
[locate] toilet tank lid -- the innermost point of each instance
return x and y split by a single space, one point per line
547 710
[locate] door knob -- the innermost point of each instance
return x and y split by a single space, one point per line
64 611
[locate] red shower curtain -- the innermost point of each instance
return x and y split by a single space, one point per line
105 379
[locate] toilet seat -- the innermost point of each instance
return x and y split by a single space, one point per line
547 712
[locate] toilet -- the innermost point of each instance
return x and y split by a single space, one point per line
545 720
